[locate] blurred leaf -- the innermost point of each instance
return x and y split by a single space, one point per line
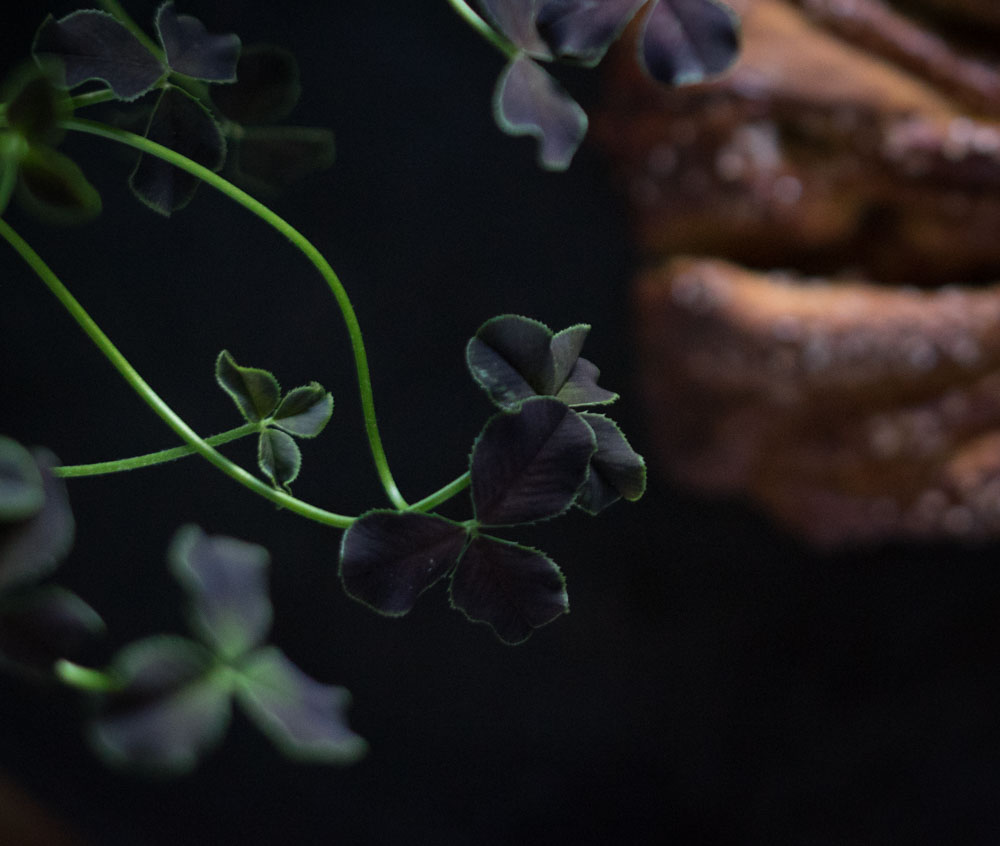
266 89
32 548
95 45
227 580
254 391
279 458
170 710
184 125
513 588
304 718
43 625
388 558
513 358
270 158
616 470
21 488
686 41
583 29
192 51
305 411
35 106
528 465
529 101
53 187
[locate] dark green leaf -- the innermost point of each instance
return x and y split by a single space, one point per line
686 41
170 710
21 487
388 558
192 51
304 412
95 45
227 580
513 588
269 159
279 458
184 125
529 465
254 391
528 100
45 624
305 719
55 189
32 548
266 88
616 470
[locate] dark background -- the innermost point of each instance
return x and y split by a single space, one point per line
715 683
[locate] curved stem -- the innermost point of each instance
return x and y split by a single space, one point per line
484 29
86 678
304 246
152 399
150 459
443 495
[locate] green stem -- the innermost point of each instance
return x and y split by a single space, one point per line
85 678
152 458
152 399
304 246
92 98
467 14
443 495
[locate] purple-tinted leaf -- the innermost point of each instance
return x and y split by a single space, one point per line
170 710
584 29
55 189
305 719
516 20
528 465
686 41
35 106
227 580
529 101
304 412
513 588
22 491
513 358
266 88
254 391
269 159
616 470
581 387
278 457
41 626
192 51
95 45
32 548
388 558
184 125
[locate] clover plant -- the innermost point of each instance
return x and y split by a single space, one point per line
207 105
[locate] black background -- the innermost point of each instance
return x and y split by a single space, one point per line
715 682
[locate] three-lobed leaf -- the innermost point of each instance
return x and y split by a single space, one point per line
513 358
